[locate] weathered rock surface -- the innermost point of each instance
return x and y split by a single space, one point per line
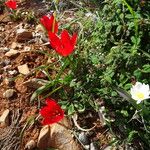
83 138
14 45
23 35
23 69
43 138
4 118
93 146
8 93
58 136
30 145
10 53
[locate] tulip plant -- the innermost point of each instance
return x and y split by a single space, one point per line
64 46
12 8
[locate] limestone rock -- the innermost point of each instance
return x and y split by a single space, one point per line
93 146
23 69
30 145
27 48
4 119
61 137
43 137
12 72
84 139
4 49
10 53
58 136
20 86
14 45
8 93
23 35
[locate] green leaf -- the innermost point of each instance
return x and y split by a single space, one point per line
71 109
40 91
137 74
118 30
146 68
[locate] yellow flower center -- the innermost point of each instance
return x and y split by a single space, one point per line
140 95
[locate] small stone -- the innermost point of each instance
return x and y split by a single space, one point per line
30 145
23 69
4 119
83 138
8 81
1 28
93 146
5 49
20 87
39 28
108 148
7 62
23 35
27 48
14 45
8 93
26 26
6 68
43 137
101 114
10 53
12 72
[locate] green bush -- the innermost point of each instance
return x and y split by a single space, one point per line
115 47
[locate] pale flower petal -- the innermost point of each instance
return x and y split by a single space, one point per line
140 92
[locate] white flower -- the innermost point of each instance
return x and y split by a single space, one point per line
140 92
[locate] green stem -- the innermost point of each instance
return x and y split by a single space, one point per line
55 90
61 70
71 63
56 4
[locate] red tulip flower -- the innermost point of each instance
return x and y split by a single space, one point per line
63 45
50 24
52 113
11 4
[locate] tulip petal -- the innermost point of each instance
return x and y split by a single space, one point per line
48 23
65 40
54 40
51 113
11 4
50 102
68 47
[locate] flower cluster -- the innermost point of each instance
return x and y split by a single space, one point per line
63 45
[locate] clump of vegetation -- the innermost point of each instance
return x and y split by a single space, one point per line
111 57
112 54
116 50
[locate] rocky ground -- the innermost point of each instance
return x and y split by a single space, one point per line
22 50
